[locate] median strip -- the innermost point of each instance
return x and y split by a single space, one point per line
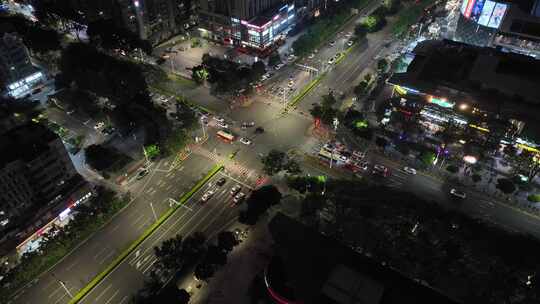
119 259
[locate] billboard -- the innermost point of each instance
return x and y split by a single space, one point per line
464 6
486 13
497 15
477 10
468 9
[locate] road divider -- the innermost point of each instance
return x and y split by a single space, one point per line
298 97
119 259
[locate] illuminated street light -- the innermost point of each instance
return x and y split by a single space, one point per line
470 159
463 106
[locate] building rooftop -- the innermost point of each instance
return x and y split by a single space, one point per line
321 270
506 82
25 142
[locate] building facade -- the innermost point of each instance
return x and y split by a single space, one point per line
252 24
34 170
17 73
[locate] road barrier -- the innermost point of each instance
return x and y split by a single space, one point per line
119 259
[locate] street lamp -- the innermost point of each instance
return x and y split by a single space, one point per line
153 211
63 284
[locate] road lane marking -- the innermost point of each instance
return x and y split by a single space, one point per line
123 300
96 256
55 291
150 265
114 295
107 256
102 293
71 265
134 223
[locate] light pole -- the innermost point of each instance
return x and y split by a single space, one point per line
63 285
153 211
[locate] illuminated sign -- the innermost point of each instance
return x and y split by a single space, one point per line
479 128
497 16
443 102
469 8
477 10
486 13
400 90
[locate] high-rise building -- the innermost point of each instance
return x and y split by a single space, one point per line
255 24
152 20
17 74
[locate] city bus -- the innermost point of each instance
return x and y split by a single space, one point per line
226 136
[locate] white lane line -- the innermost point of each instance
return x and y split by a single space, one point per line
149 266
149 190
110 299
71 265
125 298
115 228
134 223
108 255
96 256
102 293
146 222
236 180
55 291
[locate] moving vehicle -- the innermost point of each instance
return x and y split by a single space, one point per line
311 56
207 195
380 170
245 141
410 170
332 43
331 60
99 125
235 189
350 42
246 125
259 130
219 119
142 174
221 181
225 135
335 155
278 66
222 125
458 193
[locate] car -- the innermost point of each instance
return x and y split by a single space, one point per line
350 43
165 56
332 43
331 60
239 197
207 195
245 141
219 119
359 155
142 174
108 130
409 170
70 111
380 170
235 189
364 166
259 130
220 182
160 61
310 56
458 193
246 125
278 66
99 125
290 84
223 125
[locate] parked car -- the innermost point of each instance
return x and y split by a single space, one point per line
223 125
221 181
239 197
219 119
259 130
331 60
350 42
245 141
332 43
142 174
235 189
458 193
380 170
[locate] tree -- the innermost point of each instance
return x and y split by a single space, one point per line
391 6
382 64
151 151
100 157
273 162
452 169
199 74
204 271
257 69
170 254
476 178
193 246
227 240
527 163
505 185
175 142
258 202
292 167
361 89
381 142
274 59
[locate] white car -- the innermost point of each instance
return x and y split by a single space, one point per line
207 195
410 170
99 125
311 56
239 197
359 155
245 141
350 43
279 66
223 125
219 119
290 84
235 189
457 193
332 43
